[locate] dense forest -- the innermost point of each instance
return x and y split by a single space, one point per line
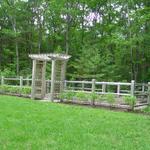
109 40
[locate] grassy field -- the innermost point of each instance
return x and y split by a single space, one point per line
33 125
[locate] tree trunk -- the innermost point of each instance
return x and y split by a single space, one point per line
39 32
13 22
17 58
67 30
131 49
16 46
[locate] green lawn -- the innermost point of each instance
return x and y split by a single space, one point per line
33 125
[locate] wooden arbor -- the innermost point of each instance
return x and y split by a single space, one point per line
58 70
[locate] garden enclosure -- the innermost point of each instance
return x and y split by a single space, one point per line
118 89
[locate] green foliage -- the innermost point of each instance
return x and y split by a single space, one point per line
15 90
94 96
62 95
69 95
25 90
7 72
81 96
110 98
89 62
101 98
147 109
130 100
106 42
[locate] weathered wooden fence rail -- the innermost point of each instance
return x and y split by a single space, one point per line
117 88
17 81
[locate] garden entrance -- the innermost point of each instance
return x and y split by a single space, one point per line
58 70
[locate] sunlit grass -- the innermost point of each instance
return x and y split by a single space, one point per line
33 125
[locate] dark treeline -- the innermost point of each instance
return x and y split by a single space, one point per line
108 39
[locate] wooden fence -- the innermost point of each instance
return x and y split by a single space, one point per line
20 81
101 87
117 88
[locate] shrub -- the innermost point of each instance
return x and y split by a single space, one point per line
110 98
68 95
130 100
81 95
61 96
93 97
25 90
146 110
15 89
101 97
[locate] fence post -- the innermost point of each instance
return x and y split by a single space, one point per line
2 80
118 90
93 85
21 81
148 93
132 87
103 88
28 82
143 88
93 90
82 85
65 85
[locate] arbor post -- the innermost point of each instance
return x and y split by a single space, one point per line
63 74
43 79
33 79
52 80
93 90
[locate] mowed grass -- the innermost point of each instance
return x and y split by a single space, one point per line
34 125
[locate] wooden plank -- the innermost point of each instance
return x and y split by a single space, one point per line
93 85
132 87
82 86
118 89
2 80
12 79
85 82
43 92
143 88
104 88
52 80
113 83
21 81
62 75
33 80
121 94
